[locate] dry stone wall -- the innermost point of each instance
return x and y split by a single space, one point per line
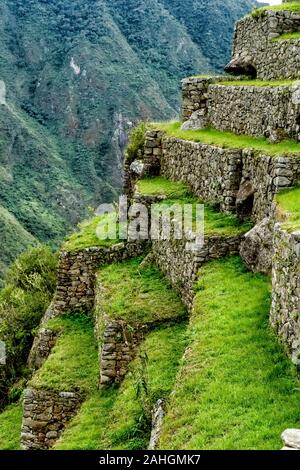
148 165
181 266
268 176
255 52
118 347
76 274
45 415
213 173
217 175
285 311
268 111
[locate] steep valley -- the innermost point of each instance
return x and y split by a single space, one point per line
77 75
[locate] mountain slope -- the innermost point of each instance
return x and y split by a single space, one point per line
77 74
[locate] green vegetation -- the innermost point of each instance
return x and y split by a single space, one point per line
62 134
160 186
229 140
29 287
10 427
73 362
258 83
288 203
177 193
113 419
138 294
14 240
136 143
287 37
293 6
237 389
87 237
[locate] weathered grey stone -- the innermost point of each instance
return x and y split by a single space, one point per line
257 248
285 309
198 120
46 414
157 422
244 200
254 47
138 167
291 438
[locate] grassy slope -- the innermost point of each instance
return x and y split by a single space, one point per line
10 427
110 419
86 236
73 363
288 203
230 140
237 389
177 193
138 295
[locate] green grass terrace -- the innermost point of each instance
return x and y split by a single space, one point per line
287 37
237 389
292 6
177 193
138 294
223 139
288 207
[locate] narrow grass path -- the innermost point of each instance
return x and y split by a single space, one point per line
237 389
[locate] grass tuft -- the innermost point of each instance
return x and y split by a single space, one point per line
86 236
287 37
177 193
258 83
112 419
293 6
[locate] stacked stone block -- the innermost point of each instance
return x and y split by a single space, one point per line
45 415
75 290
255 51
285 311
120 342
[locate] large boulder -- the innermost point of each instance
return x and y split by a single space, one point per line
257 247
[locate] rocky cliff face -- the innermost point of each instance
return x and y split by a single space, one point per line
77 73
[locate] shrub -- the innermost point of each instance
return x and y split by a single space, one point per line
29 286
136 142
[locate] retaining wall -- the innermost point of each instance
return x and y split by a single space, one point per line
285 311
45 415
254 47
269 111
219 176
76 274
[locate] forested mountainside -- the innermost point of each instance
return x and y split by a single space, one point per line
77 73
